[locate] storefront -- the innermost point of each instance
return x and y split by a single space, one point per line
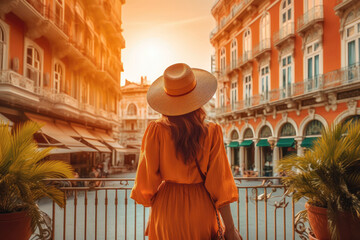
234 149
286 142
266 153
312 132
247 151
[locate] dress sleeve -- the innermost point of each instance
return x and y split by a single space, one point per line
148 176
219 180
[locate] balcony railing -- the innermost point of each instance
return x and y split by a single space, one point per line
245 58
237 8
327 81
284 33
102 209
313 15
12 78
263 46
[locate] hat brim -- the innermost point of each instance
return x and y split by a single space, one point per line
160 101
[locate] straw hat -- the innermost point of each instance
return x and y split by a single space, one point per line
181 90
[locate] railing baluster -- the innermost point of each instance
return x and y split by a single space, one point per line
135 220
238 211
126 203
85 203
53 221
265 209
247 213
256 215
75 208
293 217
116 212
144 224
284 212
64 227
275 223
106 208
96 206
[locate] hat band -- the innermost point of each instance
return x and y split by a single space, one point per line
181 91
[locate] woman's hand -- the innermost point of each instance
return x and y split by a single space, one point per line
232 234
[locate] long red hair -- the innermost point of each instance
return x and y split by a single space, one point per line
188 131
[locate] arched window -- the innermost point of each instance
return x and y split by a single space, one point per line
248 133
352 42
222 60
265 31
247 45
59 12
314 128
287 130
265 132
352 118
234 135
33 65
58 77
233 54
310 4
131 111
2 48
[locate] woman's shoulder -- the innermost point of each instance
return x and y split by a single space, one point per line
213 126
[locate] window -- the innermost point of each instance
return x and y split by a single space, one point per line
132 110
58 77
222 60
265 132
265 83
247 45
2 48
74 85
234 93
286 76
234 135
352 46
313 52
310 4
33 65
314 128
286 15
248 133
59 12
85 92
233 54
287 130
222 97
265 31
247 89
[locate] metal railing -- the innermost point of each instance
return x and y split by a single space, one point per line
333 79
285 31
18 80
264 44
102 209
245 57
316 13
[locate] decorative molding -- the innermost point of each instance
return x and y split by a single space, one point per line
288 47
311 112
331 104
6 7
351 104
274 113
284 116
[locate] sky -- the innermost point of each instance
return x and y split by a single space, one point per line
159 33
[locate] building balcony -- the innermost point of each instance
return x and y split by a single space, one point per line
237 14
310 18
285 33
245 58
262 49
344 82
343 5
102 208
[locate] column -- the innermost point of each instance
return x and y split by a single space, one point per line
228 153
257 158
262 162
242 160
275 160
300 151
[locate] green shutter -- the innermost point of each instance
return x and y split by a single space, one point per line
308 142
263 143
286 142
234 144
246 143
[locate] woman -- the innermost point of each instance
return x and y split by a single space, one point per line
174 151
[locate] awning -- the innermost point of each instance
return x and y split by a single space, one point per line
308 142
59 150
286 142
88 137
6 120
263 143
246 143
234 144
50 129
107 139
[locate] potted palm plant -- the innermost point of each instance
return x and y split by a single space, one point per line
328 176
22 171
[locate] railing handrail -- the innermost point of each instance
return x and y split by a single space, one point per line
312 14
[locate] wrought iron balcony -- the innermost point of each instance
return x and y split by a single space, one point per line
102 209
263 47
311 17
286 32
245 58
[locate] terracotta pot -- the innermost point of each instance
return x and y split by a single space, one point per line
317 217
348 226
15 226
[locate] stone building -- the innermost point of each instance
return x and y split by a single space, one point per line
60 65
286 69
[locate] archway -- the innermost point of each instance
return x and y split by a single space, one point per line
266 153
286 142
247 147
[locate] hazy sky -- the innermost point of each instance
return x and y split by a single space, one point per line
159 33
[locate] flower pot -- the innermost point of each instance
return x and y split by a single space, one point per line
317 217
348 226
15 226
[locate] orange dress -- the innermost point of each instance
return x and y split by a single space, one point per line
180 206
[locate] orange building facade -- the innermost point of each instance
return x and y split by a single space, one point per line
286 69
60 65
